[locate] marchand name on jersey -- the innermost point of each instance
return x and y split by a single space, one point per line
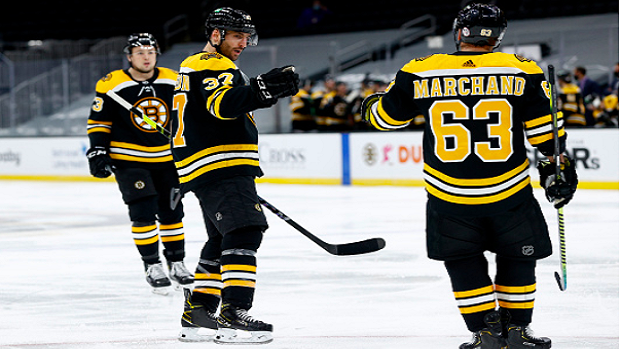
484 85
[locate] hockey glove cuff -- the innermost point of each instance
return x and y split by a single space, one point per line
277 83
558 190
99 162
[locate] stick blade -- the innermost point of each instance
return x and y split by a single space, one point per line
561 283
359 247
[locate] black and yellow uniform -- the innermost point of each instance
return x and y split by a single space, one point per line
334 113
479 109
570 102
145 170
215 147
302 108
214 133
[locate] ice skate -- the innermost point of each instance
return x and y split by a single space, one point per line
179 275
489 337
522 337
196 317
236 326
158 280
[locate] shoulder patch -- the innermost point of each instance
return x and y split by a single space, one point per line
209 55
207 60
521 58
422 58
111 80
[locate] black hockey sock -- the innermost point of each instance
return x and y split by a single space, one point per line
473 289
515 285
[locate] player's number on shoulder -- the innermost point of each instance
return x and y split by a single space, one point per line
213 83
453 141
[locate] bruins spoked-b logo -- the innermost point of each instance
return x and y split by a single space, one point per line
139 185
154 109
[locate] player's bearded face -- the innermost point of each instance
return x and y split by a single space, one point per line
234 44
143 59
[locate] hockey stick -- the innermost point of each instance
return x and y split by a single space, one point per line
561 279
353 248
123 103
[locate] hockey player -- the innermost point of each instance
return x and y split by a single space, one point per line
479 106
570 101
140 158
215 147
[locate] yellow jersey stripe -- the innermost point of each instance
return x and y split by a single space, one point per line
215 166
477 200
216 149
477 181
140 147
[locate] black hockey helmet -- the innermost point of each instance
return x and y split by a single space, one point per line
140 39
479 24
565 76
227 18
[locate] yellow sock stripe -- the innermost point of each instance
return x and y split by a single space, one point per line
472 293
515 289
208 290
477 308
521 305
239 267
146 241
239 283
202 276
173 238
171 226
143 229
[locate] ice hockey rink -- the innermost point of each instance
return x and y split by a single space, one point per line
71 276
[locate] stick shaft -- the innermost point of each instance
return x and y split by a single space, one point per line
562 280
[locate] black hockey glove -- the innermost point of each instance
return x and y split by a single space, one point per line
99 162
277 83
558 191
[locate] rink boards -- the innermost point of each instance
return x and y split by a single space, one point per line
365 158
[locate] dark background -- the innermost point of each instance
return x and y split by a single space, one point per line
75 20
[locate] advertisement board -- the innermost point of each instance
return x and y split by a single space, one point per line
364 158
395 158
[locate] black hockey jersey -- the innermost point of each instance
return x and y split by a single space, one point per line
479 109
133 142
214 133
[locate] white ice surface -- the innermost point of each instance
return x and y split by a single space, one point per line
71 277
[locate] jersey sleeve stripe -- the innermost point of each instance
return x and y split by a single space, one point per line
214 101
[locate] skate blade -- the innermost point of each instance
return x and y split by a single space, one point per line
231 336
190 334
162 291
